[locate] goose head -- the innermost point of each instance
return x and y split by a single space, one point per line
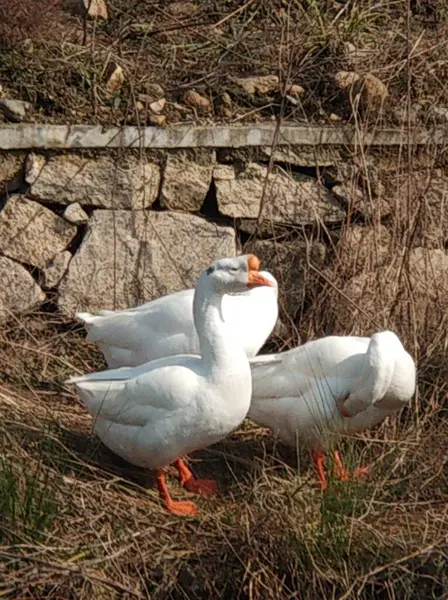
237 274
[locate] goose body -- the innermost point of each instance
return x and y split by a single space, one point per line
331 385
153 414
165 327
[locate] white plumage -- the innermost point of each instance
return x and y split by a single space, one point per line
331 385
153 414
165 327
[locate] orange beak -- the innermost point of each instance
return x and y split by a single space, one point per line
255 278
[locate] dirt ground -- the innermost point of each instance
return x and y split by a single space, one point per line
60 61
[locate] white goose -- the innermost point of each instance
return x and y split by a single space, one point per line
153 414
334 384
165 327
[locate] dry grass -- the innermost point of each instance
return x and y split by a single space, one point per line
58 60
80 523
87 525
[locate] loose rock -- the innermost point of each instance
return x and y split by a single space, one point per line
65 179
225 105
14 110
373 91
158 106
154 91
264 84
288 200
294 89
57 269
18 292
32 233
334 117
196 101
158 120
75 214
127 258
95 9
345 79
114 78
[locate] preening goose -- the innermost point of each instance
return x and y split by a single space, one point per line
334 384
153 414
165 327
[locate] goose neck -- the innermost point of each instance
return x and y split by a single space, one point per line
219 349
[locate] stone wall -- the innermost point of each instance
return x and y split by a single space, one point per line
113 229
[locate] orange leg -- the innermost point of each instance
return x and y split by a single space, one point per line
342 472
205 487
173 506
318 458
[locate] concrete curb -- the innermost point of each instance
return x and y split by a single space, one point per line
27 136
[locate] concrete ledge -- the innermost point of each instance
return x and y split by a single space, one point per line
28 136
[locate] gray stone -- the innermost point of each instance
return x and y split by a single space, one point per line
300 200
18 292
32 233
11 166
288 262
421 285
185 184
127 258
430 187
362 248
102 181
74 213
14 110
57 269
428 271
305 157
352 194
359 200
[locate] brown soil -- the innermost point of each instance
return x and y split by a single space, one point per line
58 60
